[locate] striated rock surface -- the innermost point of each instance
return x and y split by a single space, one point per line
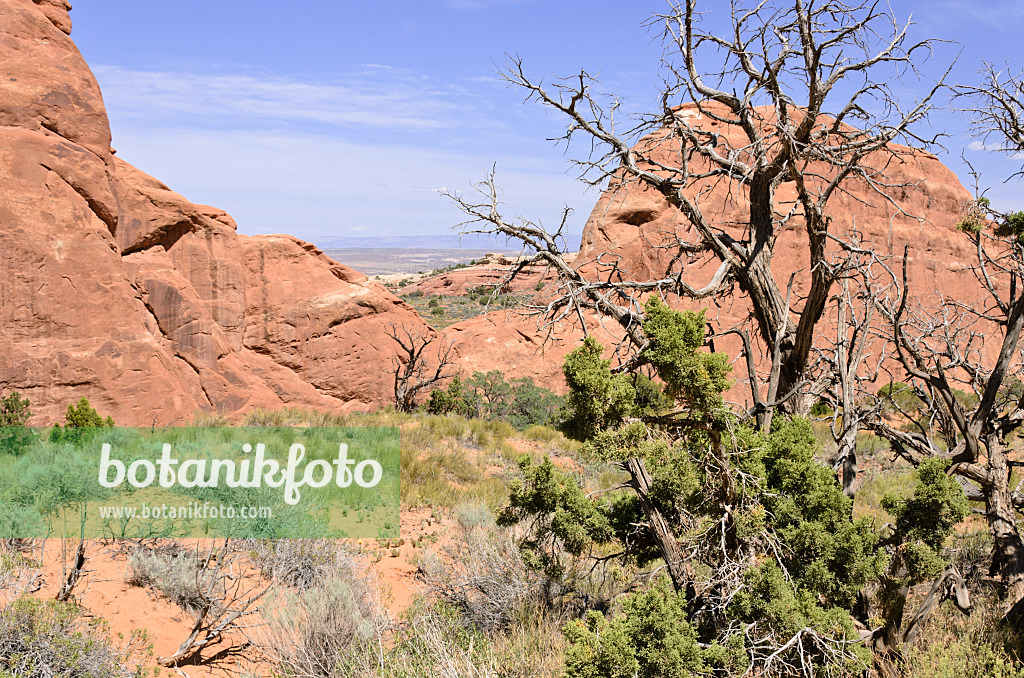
114 287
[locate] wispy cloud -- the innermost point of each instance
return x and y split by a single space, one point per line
375 97
1011 151
319 185
992 13
476 5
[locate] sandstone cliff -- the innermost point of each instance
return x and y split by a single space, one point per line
114 287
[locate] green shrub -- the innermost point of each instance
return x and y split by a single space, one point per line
79 420
490 396
901 396
653 639
597 398
821 409
15 412
453 399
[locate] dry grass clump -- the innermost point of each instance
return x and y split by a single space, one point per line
953 645
335 626
481 573
175 572
299 563
41 639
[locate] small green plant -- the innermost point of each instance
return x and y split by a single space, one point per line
15 412
821 409
79 419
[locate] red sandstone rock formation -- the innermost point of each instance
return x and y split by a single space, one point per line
488 271
114 287
628 223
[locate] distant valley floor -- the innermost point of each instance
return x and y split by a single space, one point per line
397 260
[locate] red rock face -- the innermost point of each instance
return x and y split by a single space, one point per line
114 287
488 272
629 222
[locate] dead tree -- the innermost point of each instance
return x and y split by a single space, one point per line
888 640
970 412
229 593
996 107
71 577
971 392
416 368
790 88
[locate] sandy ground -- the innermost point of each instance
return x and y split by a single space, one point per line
104 593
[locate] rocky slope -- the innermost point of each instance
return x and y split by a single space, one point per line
114 287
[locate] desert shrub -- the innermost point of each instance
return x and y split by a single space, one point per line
901 396
491 396
434 641
209 420
821 409
82 415
481 573
771 550
957 646
299 563
42 639
13 565
176 574
542 434
79 420
267 418
333 627
653 639
597 398
453 399
15 412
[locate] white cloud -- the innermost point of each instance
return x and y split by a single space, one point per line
994 13
364 154
315 185
995 148
376 97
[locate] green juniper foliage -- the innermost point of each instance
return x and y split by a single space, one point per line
597 398
78 421
772 551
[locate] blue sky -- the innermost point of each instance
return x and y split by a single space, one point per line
335 118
